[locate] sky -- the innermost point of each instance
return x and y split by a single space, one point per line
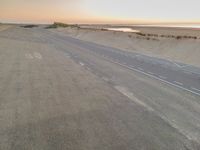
100 11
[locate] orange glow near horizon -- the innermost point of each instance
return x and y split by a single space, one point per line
85 11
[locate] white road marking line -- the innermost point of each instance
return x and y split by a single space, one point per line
137 55
162 77
150 73
154 77
140 69
133 66
37 55
180 66
125 63
28 56
177 65
178 83
195 89
131 96
82 64
187 72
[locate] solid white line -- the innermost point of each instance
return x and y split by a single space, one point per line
178 82
132 66
151 73
140 68
157 78
178 65
195 89
162 77
125 63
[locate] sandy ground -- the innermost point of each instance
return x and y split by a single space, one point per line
4 27
186 50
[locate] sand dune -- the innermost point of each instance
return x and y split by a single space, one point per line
185 50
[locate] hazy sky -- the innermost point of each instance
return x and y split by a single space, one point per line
99 11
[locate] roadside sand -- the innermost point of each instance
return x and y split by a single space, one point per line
4 27
185 50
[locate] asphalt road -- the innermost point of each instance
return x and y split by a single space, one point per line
172 73
58 92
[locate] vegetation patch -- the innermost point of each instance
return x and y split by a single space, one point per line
141 34
61 25
29 26
178 37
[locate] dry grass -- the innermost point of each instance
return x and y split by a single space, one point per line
60 25
178 37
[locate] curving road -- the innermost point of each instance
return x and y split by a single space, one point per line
57 92
176 74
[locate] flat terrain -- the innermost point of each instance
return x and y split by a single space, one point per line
180 45
4 27
57 92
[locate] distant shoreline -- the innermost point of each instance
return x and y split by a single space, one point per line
187 27
190 27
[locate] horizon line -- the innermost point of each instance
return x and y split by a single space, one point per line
99 22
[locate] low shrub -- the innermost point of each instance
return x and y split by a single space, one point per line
141 34
29 26
62 25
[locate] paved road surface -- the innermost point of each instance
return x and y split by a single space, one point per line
169 72
58 92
